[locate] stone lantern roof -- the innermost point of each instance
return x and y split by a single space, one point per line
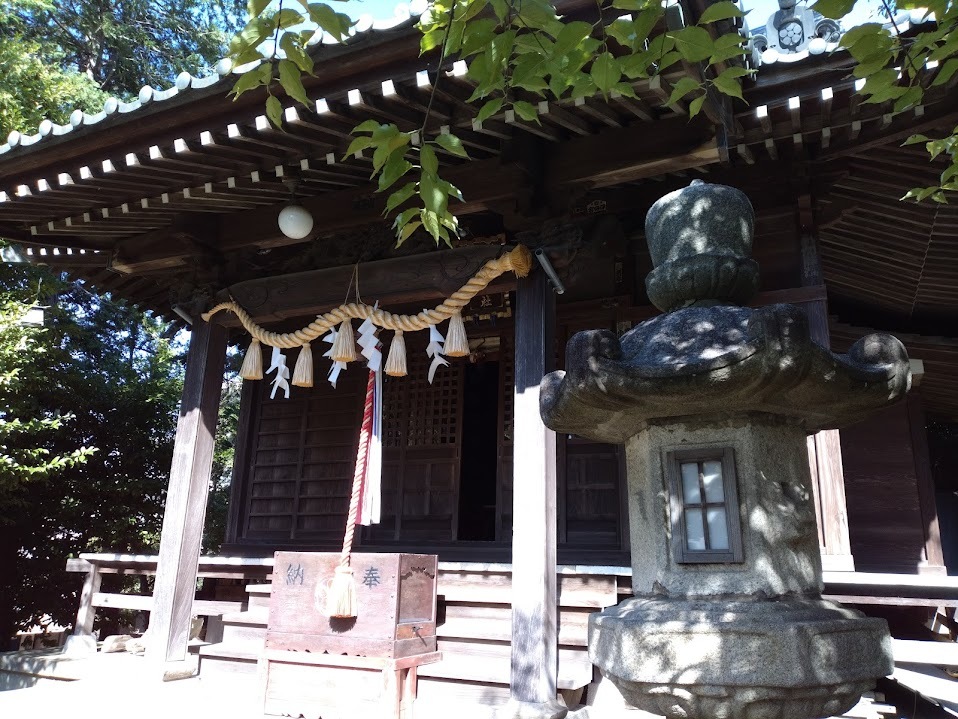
707 355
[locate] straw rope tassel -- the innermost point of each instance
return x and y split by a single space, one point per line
303 372
341 597
519 260
253 361
344 348
457 343
396 361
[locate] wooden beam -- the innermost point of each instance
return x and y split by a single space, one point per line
631 153
186 495
422 277
824 448
534 634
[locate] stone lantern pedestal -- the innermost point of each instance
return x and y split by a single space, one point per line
714 402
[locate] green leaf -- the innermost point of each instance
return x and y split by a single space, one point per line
336 24
407 230
431 40
644 22
367 126
669 59
396 166
260 75
920 193
911 98
683 87
251 36
694 43
433 196
871 65
634 66
526 110
583 87
358 144
452 144
430 220
287 17
729 39
478 35
871 45
399 197
605 72
728 82
622 31
428 160
451 190
857 33
834 9
295 52
720 11
915 140
696 105
489 109
570 36
946 73
256 7
274 111
291 79
406 215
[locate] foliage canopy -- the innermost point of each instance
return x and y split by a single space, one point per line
520 52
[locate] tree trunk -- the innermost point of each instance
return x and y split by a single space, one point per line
10 574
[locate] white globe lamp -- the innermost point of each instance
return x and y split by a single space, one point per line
295 221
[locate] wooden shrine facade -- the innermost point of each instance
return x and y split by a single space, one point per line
171 202
448 469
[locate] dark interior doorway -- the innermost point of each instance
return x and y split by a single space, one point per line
480 442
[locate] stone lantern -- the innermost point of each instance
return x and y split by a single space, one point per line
713 401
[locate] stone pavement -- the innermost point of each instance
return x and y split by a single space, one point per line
115 686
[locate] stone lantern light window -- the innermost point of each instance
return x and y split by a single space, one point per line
705 515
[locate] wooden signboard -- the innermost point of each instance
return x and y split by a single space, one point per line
396 597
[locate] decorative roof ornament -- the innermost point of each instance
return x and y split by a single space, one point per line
795 29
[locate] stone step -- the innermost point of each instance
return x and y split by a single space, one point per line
258 595
249 637
258 616
219 661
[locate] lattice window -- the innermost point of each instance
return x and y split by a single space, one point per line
433 418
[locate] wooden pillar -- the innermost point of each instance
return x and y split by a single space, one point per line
534 671
934 559
87 612
186 495
824 448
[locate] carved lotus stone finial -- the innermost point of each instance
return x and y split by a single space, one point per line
700 239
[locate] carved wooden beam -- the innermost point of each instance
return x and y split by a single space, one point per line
416 278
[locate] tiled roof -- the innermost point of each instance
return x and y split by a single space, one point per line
404 16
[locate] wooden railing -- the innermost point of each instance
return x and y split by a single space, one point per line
94 566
